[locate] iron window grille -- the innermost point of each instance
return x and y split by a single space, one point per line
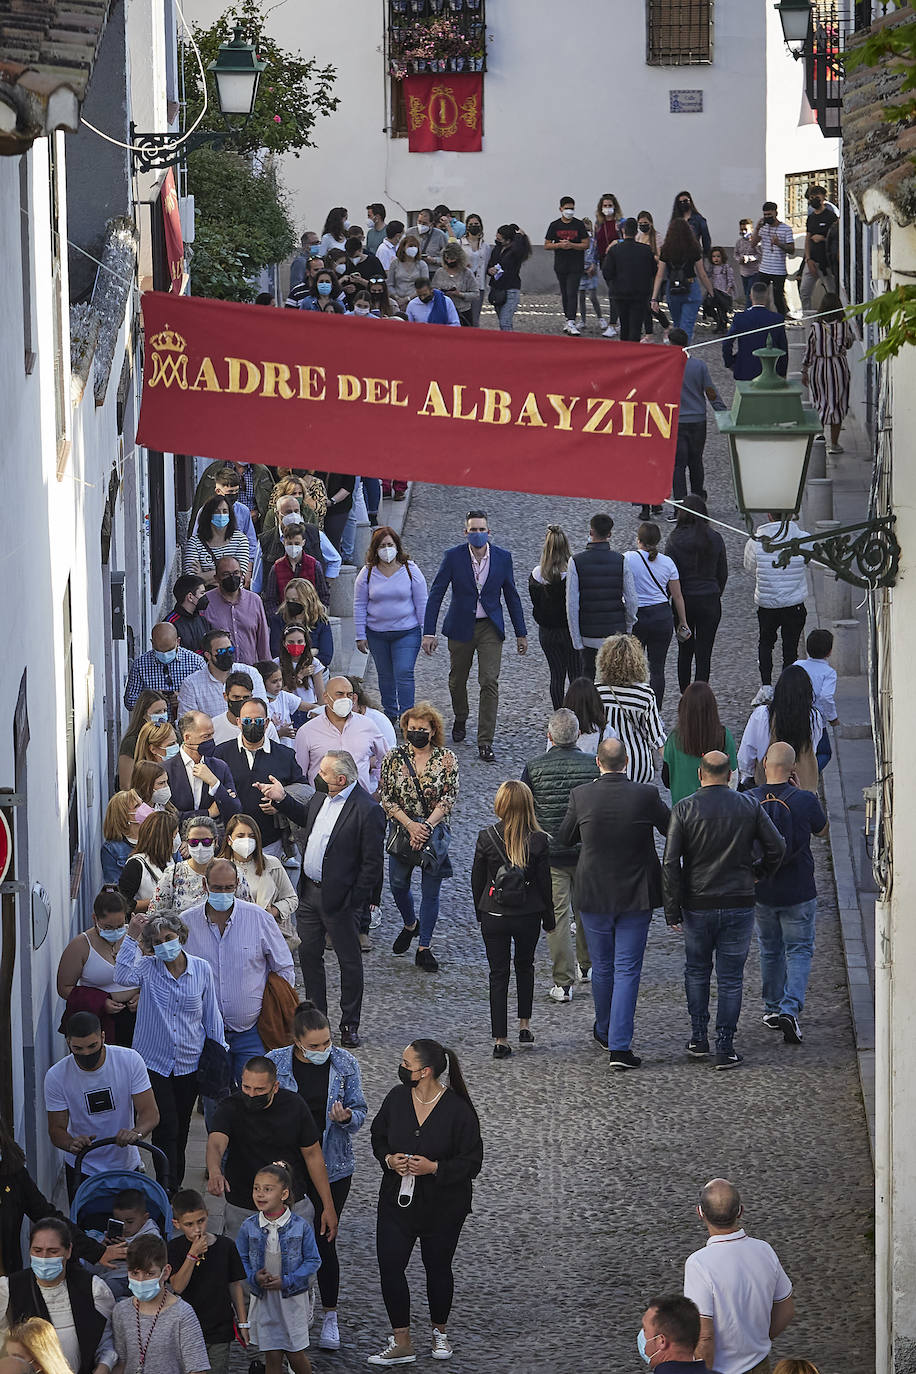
795 200
679 33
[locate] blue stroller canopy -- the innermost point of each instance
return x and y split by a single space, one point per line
95 1197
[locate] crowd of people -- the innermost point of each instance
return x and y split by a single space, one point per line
260 794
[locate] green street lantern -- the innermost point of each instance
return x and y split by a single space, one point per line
770 432
237 71
795 17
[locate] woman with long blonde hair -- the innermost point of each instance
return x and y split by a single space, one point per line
34 1346
302 606
547 589
156 743
513 896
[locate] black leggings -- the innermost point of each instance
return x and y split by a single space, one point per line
562 660
329 1273
569 290
334 522
175 1097
703 614
498 933
394 1245
654 628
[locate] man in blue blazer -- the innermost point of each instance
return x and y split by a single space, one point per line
480 575
200 782
748 334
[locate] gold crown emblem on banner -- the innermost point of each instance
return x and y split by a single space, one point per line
168 341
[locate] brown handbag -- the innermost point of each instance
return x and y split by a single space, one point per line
278 1006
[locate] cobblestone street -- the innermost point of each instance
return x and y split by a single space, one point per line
585 1206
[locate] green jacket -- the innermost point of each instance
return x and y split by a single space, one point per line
551 777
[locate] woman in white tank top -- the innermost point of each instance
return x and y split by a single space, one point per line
88 962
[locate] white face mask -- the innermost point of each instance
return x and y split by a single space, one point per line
370 223
567 213
360 310
346 224
162 796
244 847
411 252
292 518
342 707
340 268
293 552
422 228
607 209
388 554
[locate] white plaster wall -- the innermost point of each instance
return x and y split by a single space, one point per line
570 108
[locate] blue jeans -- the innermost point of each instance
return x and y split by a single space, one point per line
685 308
723 933
747 283
395 653
243 1045
616 943
506 311
372 491
785 935
399 876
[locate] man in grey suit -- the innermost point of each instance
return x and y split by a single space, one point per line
618 882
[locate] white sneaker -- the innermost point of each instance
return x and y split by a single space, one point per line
611 332
559 994
763 697
601 324
583 976
442 1350
330 1333
572 328
375 917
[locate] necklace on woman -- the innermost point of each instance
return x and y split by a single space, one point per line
140 1346
428 1101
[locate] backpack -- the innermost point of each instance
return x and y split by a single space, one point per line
680 278
509 887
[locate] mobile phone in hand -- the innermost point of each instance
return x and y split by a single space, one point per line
114 1230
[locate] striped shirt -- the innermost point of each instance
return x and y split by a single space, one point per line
174 1015
250 947
632 717
772 259
147 673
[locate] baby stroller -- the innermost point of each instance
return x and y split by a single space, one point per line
95 1194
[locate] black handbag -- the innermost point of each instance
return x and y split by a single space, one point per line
434 852
214 1071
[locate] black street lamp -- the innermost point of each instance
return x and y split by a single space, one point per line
236 72
795 17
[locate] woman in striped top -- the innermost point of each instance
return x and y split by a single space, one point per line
621 676
825 369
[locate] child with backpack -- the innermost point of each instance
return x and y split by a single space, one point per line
513 896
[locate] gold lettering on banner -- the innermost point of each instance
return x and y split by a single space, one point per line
496 407
252 376
167 359
348 388
435 403
563 409
664 423
529 415
629 415
599 409
276 380
457 399
395 398
206 379
376 390
311 382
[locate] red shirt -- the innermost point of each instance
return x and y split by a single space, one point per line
285 572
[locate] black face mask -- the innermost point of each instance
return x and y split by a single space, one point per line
233 708
202 604
293 608
206 748
406 1076
769 219
320 785
253 731
88 1061
231 582
644 228
259 1103
224 658
418 738
683 205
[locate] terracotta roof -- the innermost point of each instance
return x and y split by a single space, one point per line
878 166
47 50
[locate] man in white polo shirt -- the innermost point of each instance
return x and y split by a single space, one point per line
742 1291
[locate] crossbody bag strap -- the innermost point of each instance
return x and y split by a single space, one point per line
664 590
416 782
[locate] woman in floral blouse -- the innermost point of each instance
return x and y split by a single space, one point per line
182 884
436 770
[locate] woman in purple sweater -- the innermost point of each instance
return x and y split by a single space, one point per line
389 602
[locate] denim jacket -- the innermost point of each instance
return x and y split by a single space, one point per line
299 1256
345 1085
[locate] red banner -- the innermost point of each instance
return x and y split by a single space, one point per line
444 112
174 242
465 407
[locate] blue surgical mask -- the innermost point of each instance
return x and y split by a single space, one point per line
159 718
144 1290
318 1056
171 750
459 229
478 538
165 655
220 901
324 288
641 1345
219 520
314 250
168 951
43 1268
112 936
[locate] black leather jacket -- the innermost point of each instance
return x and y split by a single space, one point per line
719 842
